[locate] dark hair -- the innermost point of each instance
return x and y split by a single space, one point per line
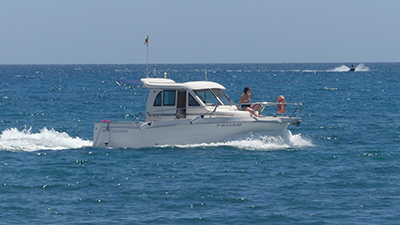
246 89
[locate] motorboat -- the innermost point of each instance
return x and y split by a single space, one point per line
189 113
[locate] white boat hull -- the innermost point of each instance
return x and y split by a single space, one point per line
182 131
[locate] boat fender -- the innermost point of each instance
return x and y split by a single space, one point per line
106 132
281 106
145 125
106 136
196 119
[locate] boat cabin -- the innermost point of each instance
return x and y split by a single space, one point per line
168 100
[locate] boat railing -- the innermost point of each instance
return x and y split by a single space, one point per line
178 112
138 118
295 113
212 110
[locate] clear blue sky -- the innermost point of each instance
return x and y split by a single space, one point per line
206 31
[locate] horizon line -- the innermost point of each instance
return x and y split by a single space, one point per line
61 64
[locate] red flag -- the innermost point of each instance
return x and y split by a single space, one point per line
146 41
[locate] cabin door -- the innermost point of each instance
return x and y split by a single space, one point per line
181 105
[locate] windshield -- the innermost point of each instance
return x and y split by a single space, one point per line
222 96
210 97
207 97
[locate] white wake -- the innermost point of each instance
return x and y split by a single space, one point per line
261 142
13 139
344 68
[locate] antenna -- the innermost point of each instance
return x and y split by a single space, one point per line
154 72
165 75
205 72
146 42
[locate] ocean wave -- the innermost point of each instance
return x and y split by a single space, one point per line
13 139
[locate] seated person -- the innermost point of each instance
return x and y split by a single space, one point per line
245 102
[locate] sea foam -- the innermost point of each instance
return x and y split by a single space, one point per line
13 139
260 142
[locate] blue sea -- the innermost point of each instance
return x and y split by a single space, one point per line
340 166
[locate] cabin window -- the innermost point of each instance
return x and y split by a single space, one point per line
207 97
158 100
192 101
169 98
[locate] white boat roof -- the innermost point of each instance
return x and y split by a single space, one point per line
163 83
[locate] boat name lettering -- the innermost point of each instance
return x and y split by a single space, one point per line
119 131
229 124
154 114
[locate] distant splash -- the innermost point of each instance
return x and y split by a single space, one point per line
344 68
260 142
12 139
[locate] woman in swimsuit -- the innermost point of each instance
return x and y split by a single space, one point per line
245 102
